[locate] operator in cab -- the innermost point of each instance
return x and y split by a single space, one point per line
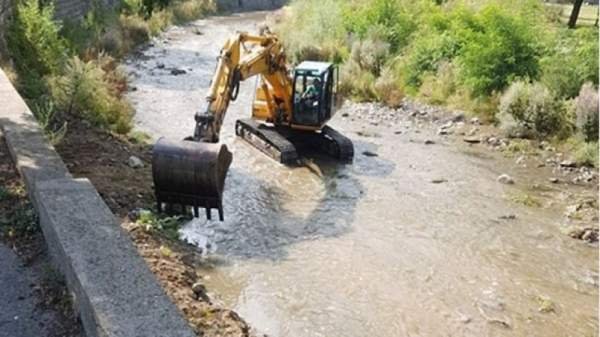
311 94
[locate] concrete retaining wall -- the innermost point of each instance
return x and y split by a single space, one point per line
114 291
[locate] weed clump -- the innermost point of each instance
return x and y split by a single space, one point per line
36 46
587 153
166 225
85 89
586 111
135 29
533 107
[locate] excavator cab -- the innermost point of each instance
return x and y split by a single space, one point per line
315 84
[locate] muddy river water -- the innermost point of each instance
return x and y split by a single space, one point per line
373 248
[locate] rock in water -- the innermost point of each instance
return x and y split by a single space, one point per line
176 71
200 291
135 162
370 154
568 163
472 140
505 179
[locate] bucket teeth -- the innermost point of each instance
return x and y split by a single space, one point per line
190 173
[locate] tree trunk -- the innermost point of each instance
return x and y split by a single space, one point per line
575 13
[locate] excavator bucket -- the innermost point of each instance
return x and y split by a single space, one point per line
189 173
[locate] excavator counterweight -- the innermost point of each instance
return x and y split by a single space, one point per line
289 112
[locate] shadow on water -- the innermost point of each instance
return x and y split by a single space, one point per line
259 223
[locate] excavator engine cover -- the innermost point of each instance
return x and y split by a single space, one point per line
189 173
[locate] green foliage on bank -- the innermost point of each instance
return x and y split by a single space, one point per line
480 56
69 70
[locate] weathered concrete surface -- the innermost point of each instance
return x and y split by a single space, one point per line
114 291
37 160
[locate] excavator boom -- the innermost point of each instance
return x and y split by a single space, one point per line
242 57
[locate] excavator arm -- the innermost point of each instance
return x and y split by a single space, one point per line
192 172
242 57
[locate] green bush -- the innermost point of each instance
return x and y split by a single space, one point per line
498 50
491 47
586 112
534 107
572 61
85 89
392 18
35 45
425 55
587 154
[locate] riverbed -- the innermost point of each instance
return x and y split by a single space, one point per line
419 240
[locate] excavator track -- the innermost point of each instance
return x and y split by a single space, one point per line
268 140
282 144
336 145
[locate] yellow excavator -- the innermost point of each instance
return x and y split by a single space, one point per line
289 113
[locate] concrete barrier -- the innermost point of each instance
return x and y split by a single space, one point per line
115 293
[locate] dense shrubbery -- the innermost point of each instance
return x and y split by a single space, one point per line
35 45
498 47
71 70
87 89
457 53
572 61
488 46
